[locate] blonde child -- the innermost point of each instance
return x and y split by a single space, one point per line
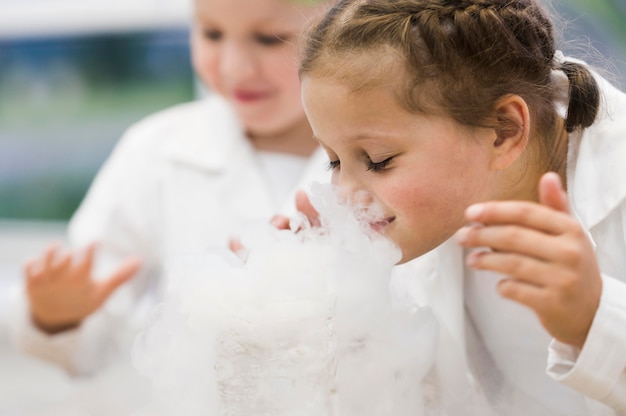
181 181
499 165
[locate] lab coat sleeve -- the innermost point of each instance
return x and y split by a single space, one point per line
599 369
119 213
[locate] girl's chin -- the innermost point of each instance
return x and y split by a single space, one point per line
261 125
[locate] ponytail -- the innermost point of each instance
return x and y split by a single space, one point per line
584 93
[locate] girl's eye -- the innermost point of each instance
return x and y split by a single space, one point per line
333 164
378 166
270 40
213 35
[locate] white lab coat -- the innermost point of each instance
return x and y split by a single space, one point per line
148 195
179 182
597 193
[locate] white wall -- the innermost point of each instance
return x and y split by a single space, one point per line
50 17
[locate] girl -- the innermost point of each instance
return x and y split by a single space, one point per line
461 117
179 182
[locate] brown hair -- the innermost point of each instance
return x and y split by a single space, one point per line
461 57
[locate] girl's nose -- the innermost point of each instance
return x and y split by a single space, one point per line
237 62
352 191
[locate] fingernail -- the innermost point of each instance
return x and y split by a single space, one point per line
474 211
461 234
471 259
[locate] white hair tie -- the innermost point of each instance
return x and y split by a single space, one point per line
561 84
559 58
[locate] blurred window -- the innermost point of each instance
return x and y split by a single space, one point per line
66 98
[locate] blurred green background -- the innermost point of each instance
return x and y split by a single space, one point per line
595 30
65 100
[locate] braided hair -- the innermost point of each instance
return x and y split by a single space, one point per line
458 57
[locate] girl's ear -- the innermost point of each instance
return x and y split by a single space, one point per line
512 130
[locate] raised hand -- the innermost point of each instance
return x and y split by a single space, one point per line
62 291
544 251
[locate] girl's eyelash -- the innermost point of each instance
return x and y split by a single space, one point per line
333 164
371 166
378 166
271 40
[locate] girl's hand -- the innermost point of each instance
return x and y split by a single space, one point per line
544 251
304 206
62 292
281 222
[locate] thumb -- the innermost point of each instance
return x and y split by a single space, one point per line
551 192
303 205
235 245
123 274
280 222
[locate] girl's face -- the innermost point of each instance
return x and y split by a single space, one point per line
423 171
246 50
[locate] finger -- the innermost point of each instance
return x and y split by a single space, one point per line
40 269
303 205
280 222
32 270
235 245
524 213
524 269
49 255
123 274
85 265
551 192
511 239
63 263
526 294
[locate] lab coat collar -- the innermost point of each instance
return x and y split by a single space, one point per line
209 138
435 280
597 160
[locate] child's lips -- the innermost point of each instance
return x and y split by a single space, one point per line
247 96
381 224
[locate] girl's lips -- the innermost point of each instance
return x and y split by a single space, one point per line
381 224
249 96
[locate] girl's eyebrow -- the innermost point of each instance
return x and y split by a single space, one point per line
360 137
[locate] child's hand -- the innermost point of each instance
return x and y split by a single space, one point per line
281 222
545 252
304 206
62 292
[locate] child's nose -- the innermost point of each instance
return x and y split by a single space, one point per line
236 62
361 197
352 192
